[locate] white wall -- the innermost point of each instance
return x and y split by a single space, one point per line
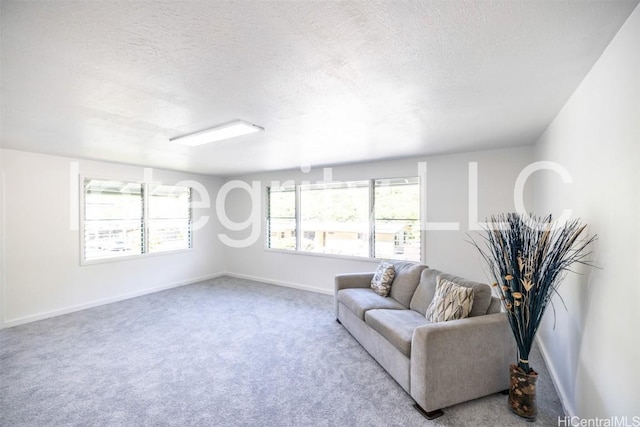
447 201
2 241
43 276
595 348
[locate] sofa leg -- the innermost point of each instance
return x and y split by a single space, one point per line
432 415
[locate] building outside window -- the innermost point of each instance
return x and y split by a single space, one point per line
370 218
397 218
334 218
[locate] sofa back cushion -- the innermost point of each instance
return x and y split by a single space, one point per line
495 306
406 281
427 289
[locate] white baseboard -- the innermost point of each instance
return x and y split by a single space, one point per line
569 410
280 283
53 313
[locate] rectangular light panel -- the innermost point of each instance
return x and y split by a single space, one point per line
218 133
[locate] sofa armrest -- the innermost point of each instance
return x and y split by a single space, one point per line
460 360
350 280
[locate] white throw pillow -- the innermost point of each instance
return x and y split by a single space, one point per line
450 302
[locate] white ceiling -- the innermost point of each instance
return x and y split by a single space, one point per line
331 82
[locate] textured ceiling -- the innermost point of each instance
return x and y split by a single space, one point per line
331 82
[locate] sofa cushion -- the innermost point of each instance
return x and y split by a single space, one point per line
382 278
427 289
406 281
359 300
451 302
495 306
396 326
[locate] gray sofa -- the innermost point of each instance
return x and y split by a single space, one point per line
438 364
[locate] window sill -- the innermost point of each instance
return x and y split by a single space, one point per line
133 257
335 256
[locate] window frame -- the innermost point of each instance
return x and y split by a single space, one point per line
310 188
146 188
296 217
374 218
149 190
371 187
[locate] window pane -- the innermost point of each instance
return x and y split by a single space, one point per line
335 218
113 219
282 233
282 203
281 221
397 219
169 218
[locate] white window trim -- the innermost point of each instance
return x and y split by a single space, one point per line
298 251
145 253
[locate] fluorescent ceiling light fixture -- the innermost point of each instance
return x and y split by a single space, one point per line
218 133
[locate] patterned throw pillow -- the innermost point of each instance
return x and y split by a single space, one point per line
382 279
450 302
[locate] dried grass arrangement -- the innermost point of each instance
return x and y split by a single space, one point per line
528 258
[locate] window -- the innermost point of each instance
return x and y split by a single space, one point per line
169 219
397 218
281 223
125 218
375 218
113 223
334 218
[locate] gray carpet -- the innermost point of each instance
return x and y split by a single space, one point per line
225 352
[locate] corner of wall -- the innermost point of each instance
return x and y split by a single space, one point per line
562 393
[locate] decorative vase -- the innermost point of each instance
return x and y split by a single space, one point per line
522 393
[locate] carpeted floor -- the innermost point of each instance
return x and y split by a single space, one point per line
226 352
